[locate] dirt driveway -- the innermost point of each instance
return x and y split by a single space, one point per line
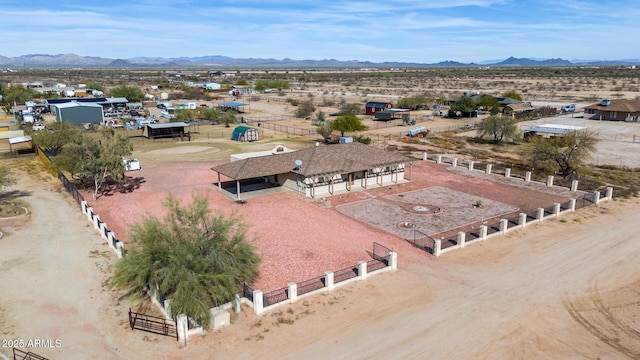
566 288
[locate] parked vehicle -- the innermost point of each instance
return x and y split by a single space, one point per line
568 108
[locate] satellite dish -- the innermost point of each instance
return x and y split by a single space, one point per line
298 163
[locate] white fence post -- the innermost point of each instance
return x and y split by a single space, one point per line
84 206
550 180
522 221
439 159
507 173
540 214
556 209
489 168
454 162
258 306
328 280
572 205
393 261
596 197
527 176
483 232
574 185
609 194
182 326
461 238
424 156
504 225
471 165
362 270
293 292
119 249
437 245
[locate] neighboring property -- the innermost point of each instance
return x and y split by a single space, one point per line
316 170
276 150
79 113
550 130
244 133
166 130
615 110
373 107
518 110
108 104
232 105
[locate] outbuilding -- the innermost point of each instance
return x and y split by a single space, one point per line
244 133
373 107
166 130
78 113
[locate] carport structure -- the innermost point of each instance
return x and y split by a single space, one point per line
232 105
316 170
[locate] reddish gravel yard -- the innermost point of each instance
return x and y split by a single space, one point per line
300 238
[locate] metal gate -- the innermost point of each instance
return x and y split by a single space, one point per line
152 324
22 355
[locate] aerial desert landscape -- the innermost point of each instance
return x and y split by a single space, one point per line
567 287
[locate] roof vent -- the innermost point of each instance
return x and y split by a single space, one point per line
298 163
605 102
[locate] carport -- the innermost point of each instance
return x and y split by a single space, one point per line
19 140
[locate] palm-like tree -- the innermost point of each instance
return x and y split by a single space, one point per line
197 259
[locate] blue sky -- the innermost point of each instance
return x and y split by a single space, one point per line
421 31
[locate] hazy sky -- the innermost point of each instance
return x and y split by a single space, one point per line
421 31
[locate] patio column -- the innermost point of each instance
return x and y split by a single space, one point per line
219 183
238 189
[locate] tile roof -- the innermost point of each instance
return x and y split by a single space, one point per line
316 161
621 105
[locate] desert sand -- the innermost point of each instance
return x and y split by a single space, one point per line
566 288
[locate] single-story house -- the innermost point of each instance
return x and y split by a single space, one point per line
79 113
166 130
373 107
317 170
616 110
244 133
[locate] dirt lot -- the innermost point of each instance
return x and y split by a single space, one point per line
567 288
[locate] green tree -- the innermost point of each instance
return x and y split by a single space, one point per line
324 131
463 105
184 115
6 177
53 139
132 93
195 258
211 114
561 155
229 117
488 102
94 161
305 108
414 102
94 85
18 94
512 94
498 128
347 123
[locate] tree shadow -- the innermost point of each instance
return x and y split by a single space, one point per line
130 185
14 194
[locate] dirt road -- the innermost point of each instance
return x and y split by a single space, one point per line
567 288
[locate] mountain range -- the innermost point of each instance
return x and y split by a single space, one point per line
219 61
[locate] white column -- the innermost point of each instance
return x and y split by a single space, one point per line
609 194
574 185
556 209
523 220
439 159
527 176
96 217
489 168
550 180
183 328
507 173
483 232
540 214
596 197
328 280
362 270
504 225
258 306
437 247
293 292
424 156
454 162
393 260
119 249
572 205
84 206
471 163
462 239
